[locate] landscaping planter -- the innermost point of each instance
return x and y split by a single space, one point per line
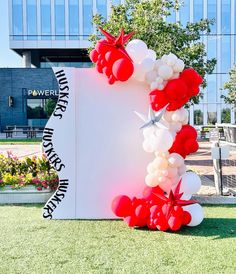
26 195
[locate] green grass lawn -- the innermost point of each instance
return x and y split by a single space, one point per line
20 141
29 244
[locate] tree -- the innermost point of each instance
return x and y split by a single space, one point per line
146 18
230 88
225 115
50 106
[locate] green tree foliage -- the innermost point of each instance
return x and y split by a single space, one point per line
147 19
225 115
230 88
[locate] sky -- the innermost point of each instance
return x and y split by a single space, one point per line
8 58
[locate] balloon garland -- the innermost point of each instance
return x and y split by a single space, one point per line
166 200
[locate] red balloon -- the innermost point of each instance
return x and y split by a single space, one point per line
141 212
113 55
111 79
99 67
191 77
102 47
131 220
174 223
122 69
158 99
93 56
121 206
176 89
149 193
186 218
191 146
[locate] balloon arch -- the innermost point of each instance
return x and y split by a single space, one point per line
165 203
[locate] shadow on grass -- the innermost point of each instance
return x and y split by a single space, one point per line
219 228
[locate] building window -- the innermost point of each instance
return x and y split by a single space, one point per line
197 10
60 19
211 48
198 115
46 19
225 115
116 2
211 88
102 8
31 16
225 16
74 19
211 13
40 108
87 17
17 19
184 13
211 114
225 54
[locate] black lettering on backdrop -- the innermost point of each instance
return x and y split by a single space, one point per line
62 102
56 199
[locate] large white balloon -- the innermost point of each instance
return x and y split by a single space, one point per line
137 50
165 72
151 54
196 212
139 73
164 140
175 160
147 64
179 66
191 183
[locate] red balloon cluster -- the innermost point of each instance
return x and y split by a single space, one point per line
177 92
155 210
111 57
185 141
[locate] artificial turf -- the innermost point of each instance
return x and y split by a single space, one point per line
29 244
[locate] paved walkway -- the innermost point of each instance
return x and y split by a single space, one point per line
21 150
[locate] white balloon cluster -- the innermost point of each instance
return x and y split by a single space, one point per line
165 170
156 72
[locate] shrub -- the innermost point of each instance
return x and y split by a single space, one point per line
35 171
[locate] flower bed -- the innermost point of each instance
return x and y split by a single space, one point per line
26 176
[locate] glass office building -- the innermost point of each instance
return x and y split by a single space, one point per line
220 44
55 33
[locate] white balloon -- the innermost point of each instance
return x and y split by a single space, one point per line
154 85
179 66
137 50
172 172
171 59
147 64
196 212
139 73
151 168
186 196
175 76
166 185
158 63
164 59
191 183
165 72
151 76
176 116
160 162
164 140
168 116
175 160
147 146
151 54
160 86
159 80
148 131
151 180
182 169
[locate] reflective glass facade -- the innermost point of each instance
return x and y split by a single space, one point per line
220 44
66 24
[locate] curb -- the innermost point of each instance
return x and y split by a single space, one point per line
215 200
